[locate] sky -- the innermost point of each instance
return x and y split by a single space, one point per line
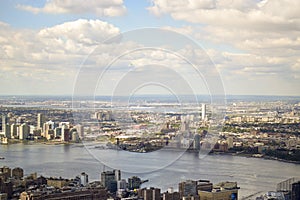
115 47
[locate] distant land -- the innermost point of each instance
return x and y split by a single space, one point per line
152 98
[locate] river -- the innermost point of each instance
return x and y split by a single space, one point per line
163 169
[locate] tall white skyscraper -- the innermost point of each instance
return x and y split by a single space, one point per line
13 131
203 112
24 131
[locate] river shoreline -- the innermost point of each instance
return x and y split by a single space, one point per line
183 150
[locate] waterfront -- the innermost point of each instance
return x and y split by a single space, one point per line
252 174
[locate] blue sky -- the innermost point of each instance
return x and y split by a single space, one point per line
136 16
252 45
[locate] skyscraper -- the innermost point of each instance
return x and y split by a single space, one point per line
197 141
40 121
109 180
84 179
48 128
203 112
4 122
65 134
5 126
24 131
117 174
13 130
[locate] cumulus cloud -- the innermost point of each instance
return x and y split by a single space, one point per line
77 35
101 8
53 44
250 38
246 14
50 55
245 24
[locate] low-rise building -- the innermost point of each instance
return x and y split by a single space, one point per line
57 182
221 191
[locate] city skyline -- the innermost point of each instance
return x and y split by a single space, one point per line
253 45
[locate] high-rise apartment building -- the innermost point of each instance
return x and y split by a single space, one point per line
203 112
13 131
109 179
40 121
48 129
24 131
65 134
6 126
84 179
4 122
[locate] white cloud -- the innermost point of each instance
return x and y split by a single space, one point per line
49 58
50 55
185 30
57 43
101 8
245 24
76 34
264 36
246 14
3 24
